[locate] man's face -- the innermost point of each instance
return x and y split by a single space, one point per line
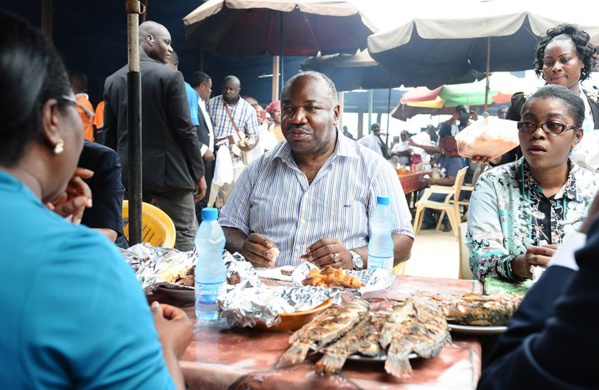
309 116
205 90
159 45
260 113
230 91
376 129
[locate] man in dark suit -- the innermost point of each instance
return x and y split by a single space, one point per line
552 342
202 83
171 163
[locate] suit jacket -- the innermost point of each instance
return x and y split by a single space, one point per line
107 189
171 156
552 342
203 130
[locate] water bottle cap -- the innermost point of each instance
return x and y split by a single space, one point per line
209 214
384 200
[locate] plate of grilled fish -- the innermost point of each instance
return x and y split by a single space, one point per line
397 333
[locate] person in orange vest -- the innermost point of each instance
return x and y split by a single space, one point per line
99 123
79 85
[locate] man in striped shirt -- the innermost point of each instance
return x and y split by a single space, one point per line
313 194
234 120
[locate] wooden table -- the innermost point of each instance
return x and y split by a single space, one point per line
245 358
411 182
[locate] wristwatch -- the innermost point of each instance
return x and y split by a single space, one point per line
356 260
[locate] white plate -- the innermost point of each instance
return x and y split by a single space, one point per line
381 357
477 330
184 295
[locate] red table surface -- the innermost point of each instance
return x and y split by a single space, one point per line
220 358
411 182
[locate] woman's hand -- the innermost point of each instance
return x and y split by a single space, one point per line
175 329
76 198
257 249
535 255
329 251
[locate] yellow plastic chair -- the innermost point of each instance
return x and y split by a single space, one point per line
447 206
157 228
400 269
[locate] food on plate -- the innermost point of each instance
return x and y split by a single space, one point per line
175 273
275 253
424 331
477 309
287 270
408 326
331 277
323 329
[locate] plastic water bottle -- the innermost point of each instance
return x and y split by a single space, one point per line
380 246
210 273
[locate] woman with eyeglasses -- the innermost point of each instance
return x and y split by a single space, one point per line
565 56
520 212
72 313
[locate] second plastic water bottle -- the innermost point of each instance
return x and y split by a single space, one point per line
210 273
380 246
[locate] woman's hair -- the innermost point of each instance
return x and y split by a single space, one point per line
584 48
31 73
571 102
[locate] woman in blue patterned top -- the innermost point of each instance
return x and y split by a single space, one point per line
520 212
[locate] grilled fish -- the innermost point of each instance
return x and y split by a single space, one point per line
323 329
401 311
423 332
477 309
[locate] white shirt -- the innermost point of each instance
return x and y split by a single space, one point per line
202 106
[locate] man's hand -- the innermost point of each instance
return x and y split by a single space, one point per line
201 191
329 251
76 198
208 156
535 255
175 330
257 250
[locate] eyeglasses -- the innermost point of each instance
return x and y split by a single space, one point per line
548 127
88 118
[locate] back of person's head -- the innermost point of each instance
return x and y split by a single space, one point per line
581 39
78 81
31 73
198 78
570 101
332 90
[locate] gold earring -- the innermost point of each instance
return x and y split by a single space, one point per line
59 147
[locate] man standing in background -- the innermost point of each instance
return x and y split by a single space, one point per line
235 122
172 166
202 84
373 141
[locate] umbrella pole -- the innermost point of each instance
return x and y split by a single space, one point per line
487 72
282 58
388 116
275 79
134 122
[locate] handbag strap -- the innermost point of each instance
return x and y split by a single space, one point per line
233 122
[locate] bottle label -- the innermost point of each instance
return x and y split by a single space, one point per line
206 293
385 263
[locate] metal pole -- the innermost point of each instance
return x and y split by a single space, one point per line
370 104
134 122
275 79
488 69
282 59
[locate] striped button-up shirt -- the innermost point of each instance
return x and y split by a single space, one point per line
272 197
243 114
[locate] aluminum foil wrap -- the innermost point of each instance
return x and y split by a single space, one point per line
248 306
149 262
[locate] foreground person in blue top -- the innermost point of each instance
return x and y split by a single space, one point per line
72 313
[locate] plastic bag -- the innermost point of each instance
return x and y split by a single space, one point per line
223 171
488 137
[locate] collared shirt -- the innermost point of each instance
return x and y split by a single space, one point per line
372 142
272 197
242 112
509 213
192 101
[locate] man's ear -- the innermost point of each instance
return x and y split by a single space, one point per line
50 123
336 112
150 39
